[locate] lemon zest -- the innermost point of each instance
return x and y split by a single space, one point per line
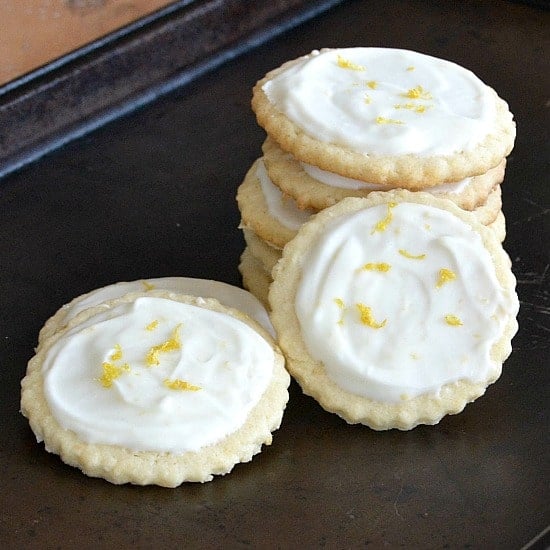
365 314
152 325
384 267
181 385
172 344
111 372
384 120
383 223
347 64
340 303
411 107
418 93
453 320
410 256
445 276
117 354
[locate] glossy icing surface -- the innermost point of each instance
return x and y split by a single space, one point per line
156 375
397 300
343 182
384 101
226 294
282 208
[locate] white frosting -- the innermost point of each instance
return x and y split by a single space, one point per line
228 295
336 180
283 209
452 188
343 182
414 350
230 363
341 104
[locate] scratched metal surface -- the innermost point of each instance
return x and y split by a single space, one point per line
153 194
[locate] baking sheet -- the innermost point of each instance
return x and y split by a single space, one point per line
152 194
35 33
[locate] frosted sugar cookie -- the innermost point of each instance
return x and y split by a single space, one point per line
487 213
267 254
394 310
498 226
314 188
256 279
385 116
157 388
226 294
265 210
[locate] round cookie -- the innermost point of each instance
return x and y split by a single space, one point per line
267 254
385 116
257 193
498 227
265 210
394 310
156 388
228 295
313 188
255 277
487 213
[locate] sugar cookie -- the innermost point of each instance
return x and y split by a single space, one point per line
394 310
267 254
227 295
385 116
256 279
311 187
265 210
156 388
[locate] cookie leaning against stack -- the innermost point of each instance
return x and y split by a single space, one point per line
154 387
346 122
394 310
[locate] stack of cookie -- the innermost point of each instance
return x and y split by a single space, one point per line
347 122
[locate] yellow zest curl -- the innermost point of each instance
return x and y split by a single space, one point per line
172 344
445 276
117 354
453 320
411 256
347 64
367 318
411 107
384 120
181 385
111 372
152 325
376 267
383 224
418 93
340 303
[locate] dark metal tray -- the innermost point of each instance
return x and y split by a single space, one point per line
152 194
